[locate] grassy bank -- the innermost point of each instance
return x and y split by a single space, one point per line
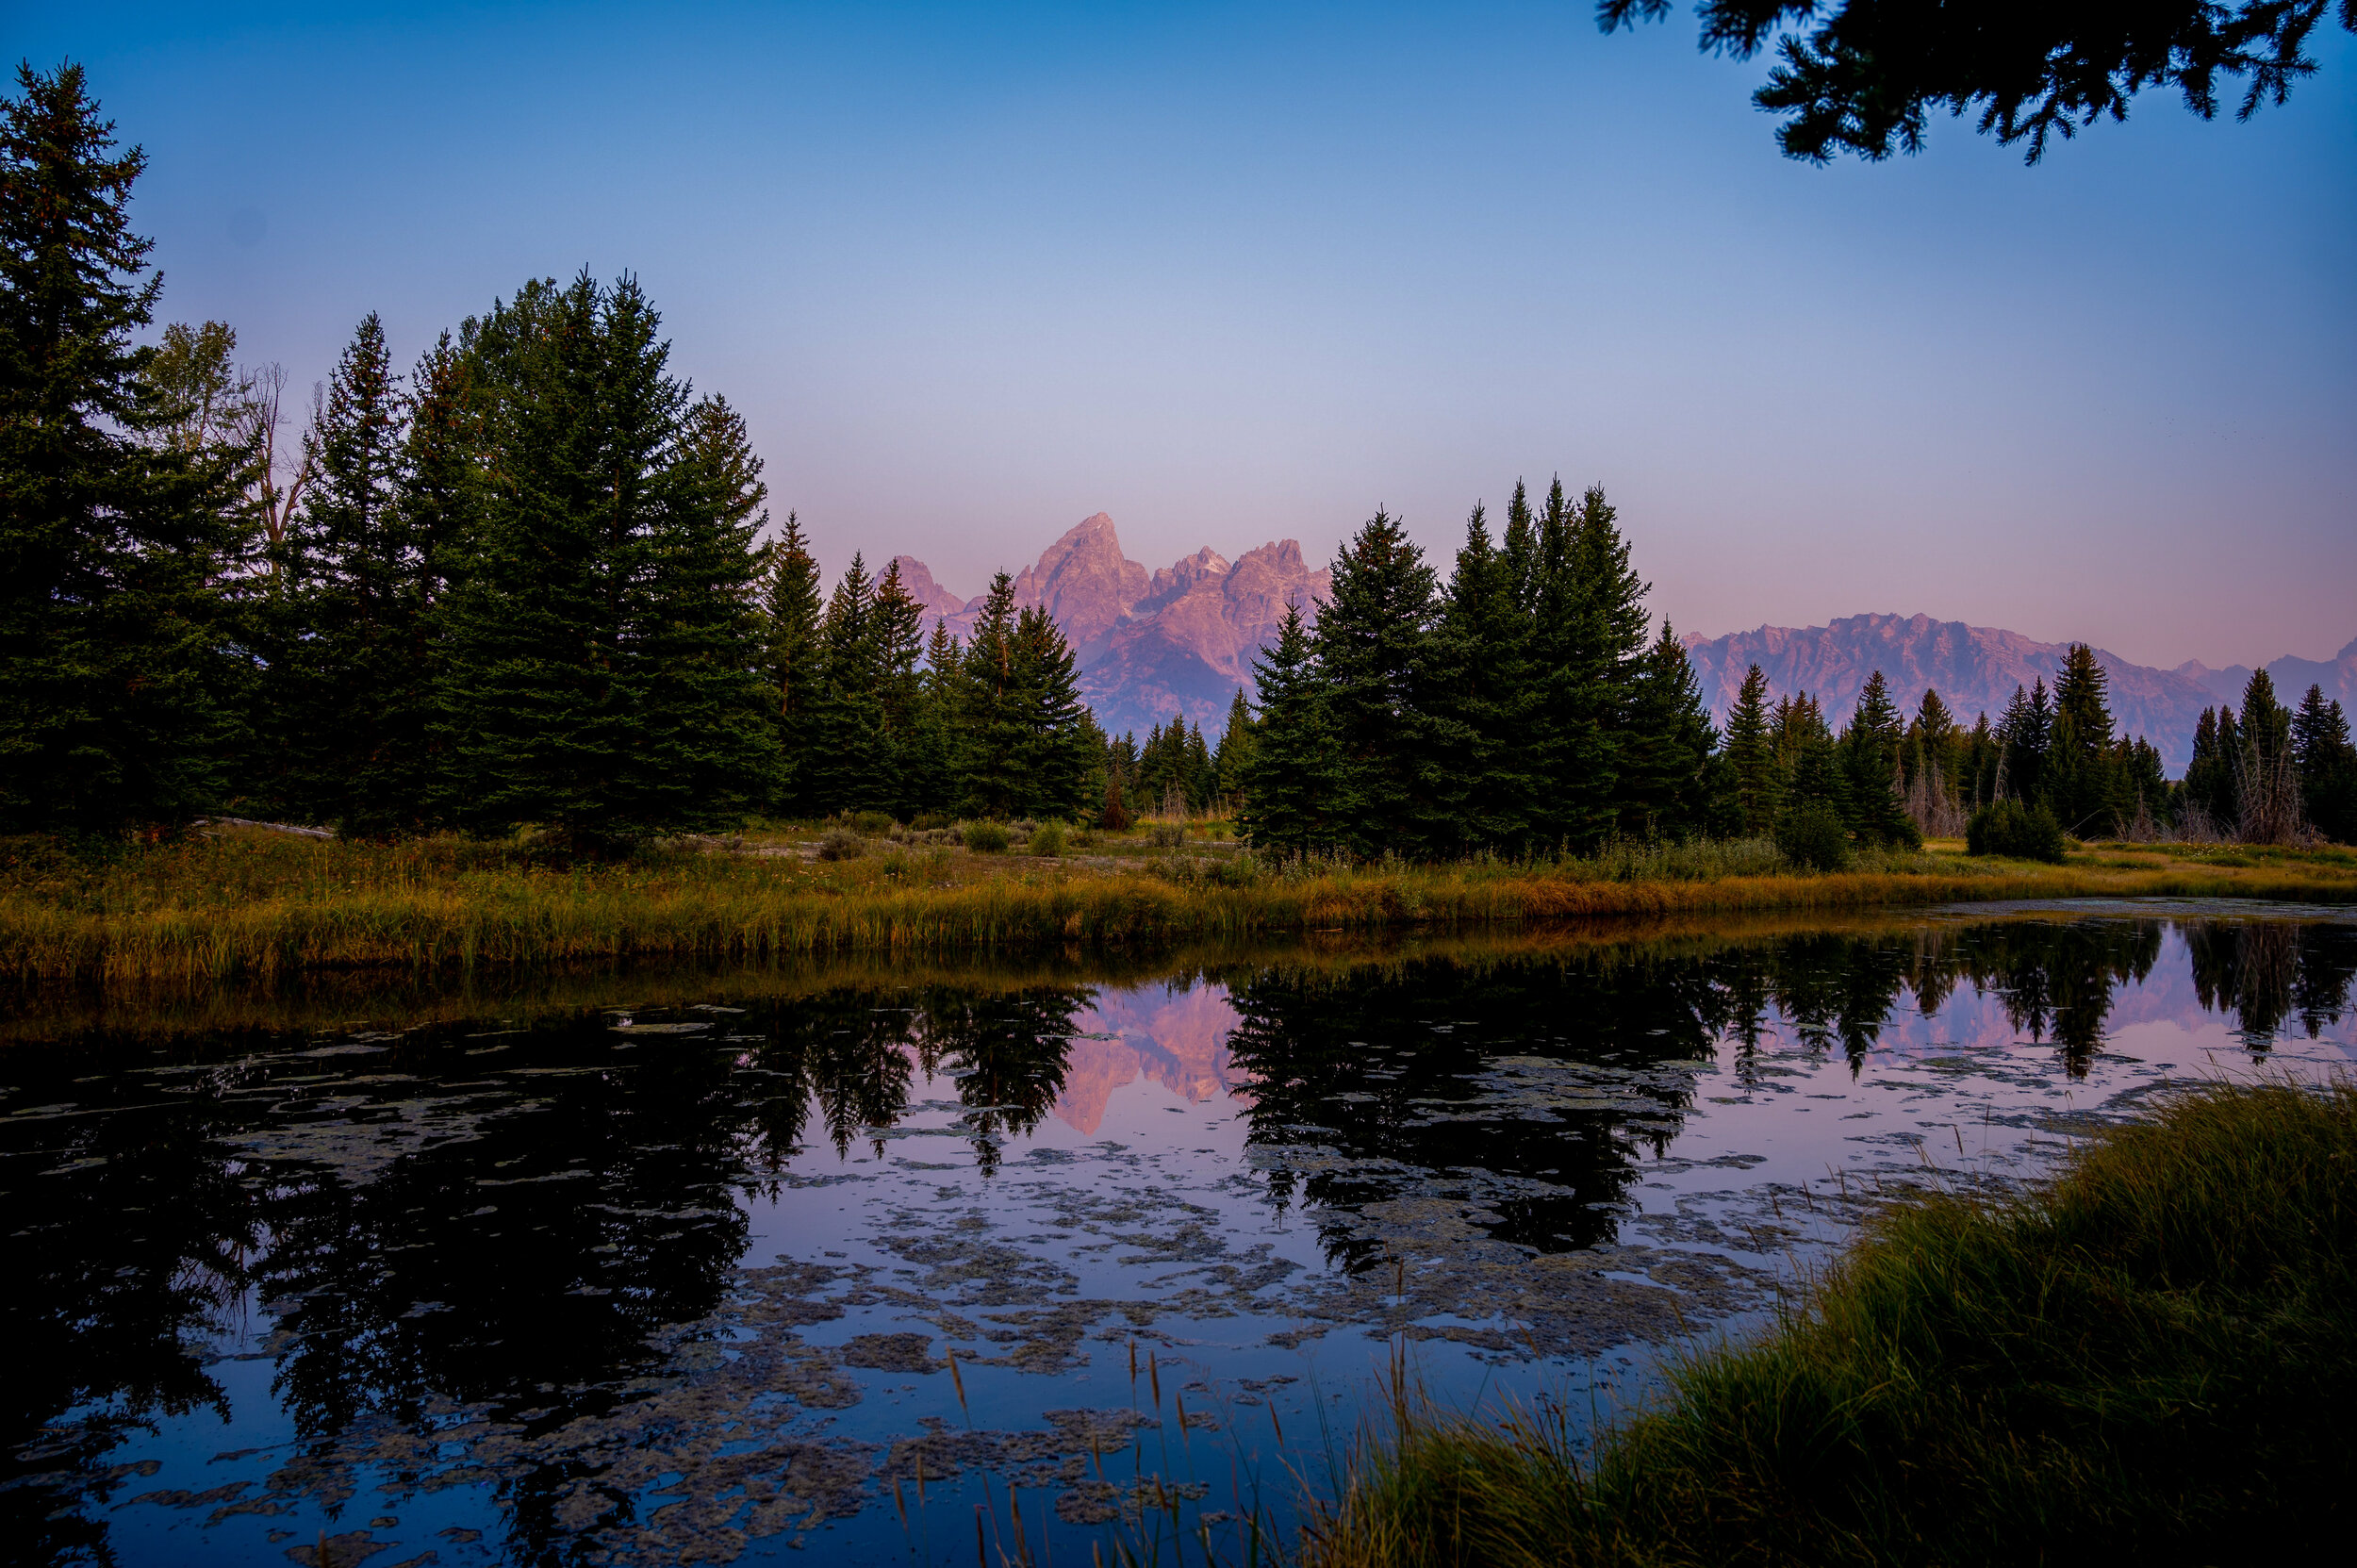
243 902
2148 1358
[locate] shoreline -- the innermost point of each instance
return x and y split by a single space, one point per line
253 905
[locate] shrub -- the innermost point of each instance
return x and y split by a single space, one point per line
872 824
1167 836
1811 835
986 838
930 822
1048 839
841 844
2009 828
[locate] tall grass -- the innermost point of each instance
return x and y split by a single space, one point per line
247 903
2151 1358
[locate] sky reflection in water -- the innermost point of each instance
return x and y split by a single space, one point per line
678 1283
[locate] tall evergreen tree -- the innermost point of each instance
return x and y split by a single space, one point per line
1296 789
791 608
2266 724
109 530
1236 743
1480 691
1752 754
844 768
1371 640
2028 727
2328 767
1666 744
600 677
1589 628
353 698
2082 783
1869 768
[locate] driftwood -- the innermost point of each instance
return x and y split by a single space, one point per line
273 827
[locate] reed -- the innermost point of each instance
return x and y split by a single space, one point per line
243 903
2146 1358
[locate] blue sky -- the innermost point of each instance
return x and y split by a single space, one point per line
1234 272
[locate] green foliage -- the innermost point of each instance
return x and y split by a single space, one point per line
601 677
1752 754
986 838
2009 828
1863 77
1870 769
2328 767
1371 640
1048 840
1810 833
113 516
841 844
1295 787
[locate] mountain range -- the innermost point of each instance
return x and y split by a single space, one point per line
1148 645
1181 640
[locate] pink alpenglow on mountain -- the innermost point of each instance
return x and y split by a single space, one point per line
1180 640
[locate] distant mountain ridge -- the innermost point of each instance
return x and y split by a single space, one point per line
1975 669
1148 645
1181 640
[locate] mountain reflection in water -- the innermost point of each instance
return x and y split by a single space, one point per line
469 1253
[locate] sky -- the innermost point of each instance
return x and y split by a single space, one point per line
1242 271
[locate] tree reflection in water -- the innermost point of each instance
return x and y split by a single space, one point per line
523 1219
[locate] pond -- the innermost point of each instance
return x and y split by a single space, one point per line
891 1266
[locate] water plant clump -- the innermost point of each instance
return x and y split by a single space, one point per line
2147 1356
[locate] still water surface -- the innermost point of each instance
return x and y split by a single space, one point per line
679 1277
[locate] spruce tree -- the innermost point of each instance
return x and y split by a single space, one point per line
1751 753
1588 626
1666 743
909 750
843 768
1234 756
441 470
1370 642
1870 769
353 699
991 719
1059 740
1296 789
2266 724
2082 784
1480 691
109 656
2328 767
2028 727
791 606
600 659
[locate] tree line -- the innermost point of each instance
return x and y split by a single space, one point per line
521 584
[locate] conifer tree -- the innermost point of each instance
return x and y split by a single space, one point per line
1236 743
109 658
1370 643
442 472
844 768
600 656
1589 628
1296 787
2328 767
2082 784
791 607
1059 740
1870 769
1480 691
2028 727
2266 724
1752 754
353 698
1666 742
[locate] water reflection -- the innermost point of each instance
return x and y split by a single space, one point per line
512 1254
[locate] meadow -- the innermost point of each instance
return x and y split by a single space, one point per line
243 902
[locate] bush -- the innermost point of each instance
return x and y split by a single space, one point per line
986 838
841 844
2009 828
872 824
1811 835
930 822
1167 836
1048 839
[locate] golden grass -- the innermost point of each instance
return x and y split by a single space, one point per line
249 905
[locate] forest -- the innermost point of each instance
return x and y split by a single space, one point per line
533 581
